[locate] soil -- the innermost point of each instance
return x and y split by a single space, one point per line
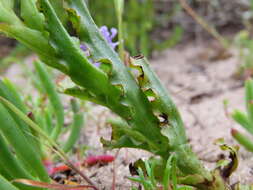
199 80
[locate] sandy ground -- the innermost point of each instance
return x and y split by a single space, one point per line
198 86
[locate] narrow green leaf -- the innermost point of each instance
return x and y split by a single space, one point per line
243 120
76 127
243 140
14 167
50 89
6 185
249 98
167 173
16 98
8 91
22 146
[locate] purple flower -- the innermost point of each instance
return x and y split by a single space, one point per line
83 47
108 36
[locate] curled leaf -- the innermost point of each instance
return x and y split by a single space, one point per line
228 167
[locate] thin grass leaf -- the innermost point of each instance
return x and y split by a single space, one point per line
52 145
23 148
147 167
6 185
249 99
152 175
8 91
16 98
144 182
14 166
174 173
76 127
167 172
48 120
54 98
136 179
185 188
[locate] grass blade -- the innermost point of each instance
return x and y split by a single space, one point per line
75 128
54 98
22 146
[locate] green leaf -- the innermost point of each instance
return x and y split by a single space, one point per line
22 146
249 98
14 166
75 59
138 112
31 15
243 120
55 101
161 102
243 140
6 185
58 6
78 123
7 15
167 172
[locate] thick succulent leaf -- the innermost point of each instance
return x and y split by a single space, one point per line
171 121
7 15
190 164
83 94
121 131
243 140
32 17
243 120
94 79
33 39
140 115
